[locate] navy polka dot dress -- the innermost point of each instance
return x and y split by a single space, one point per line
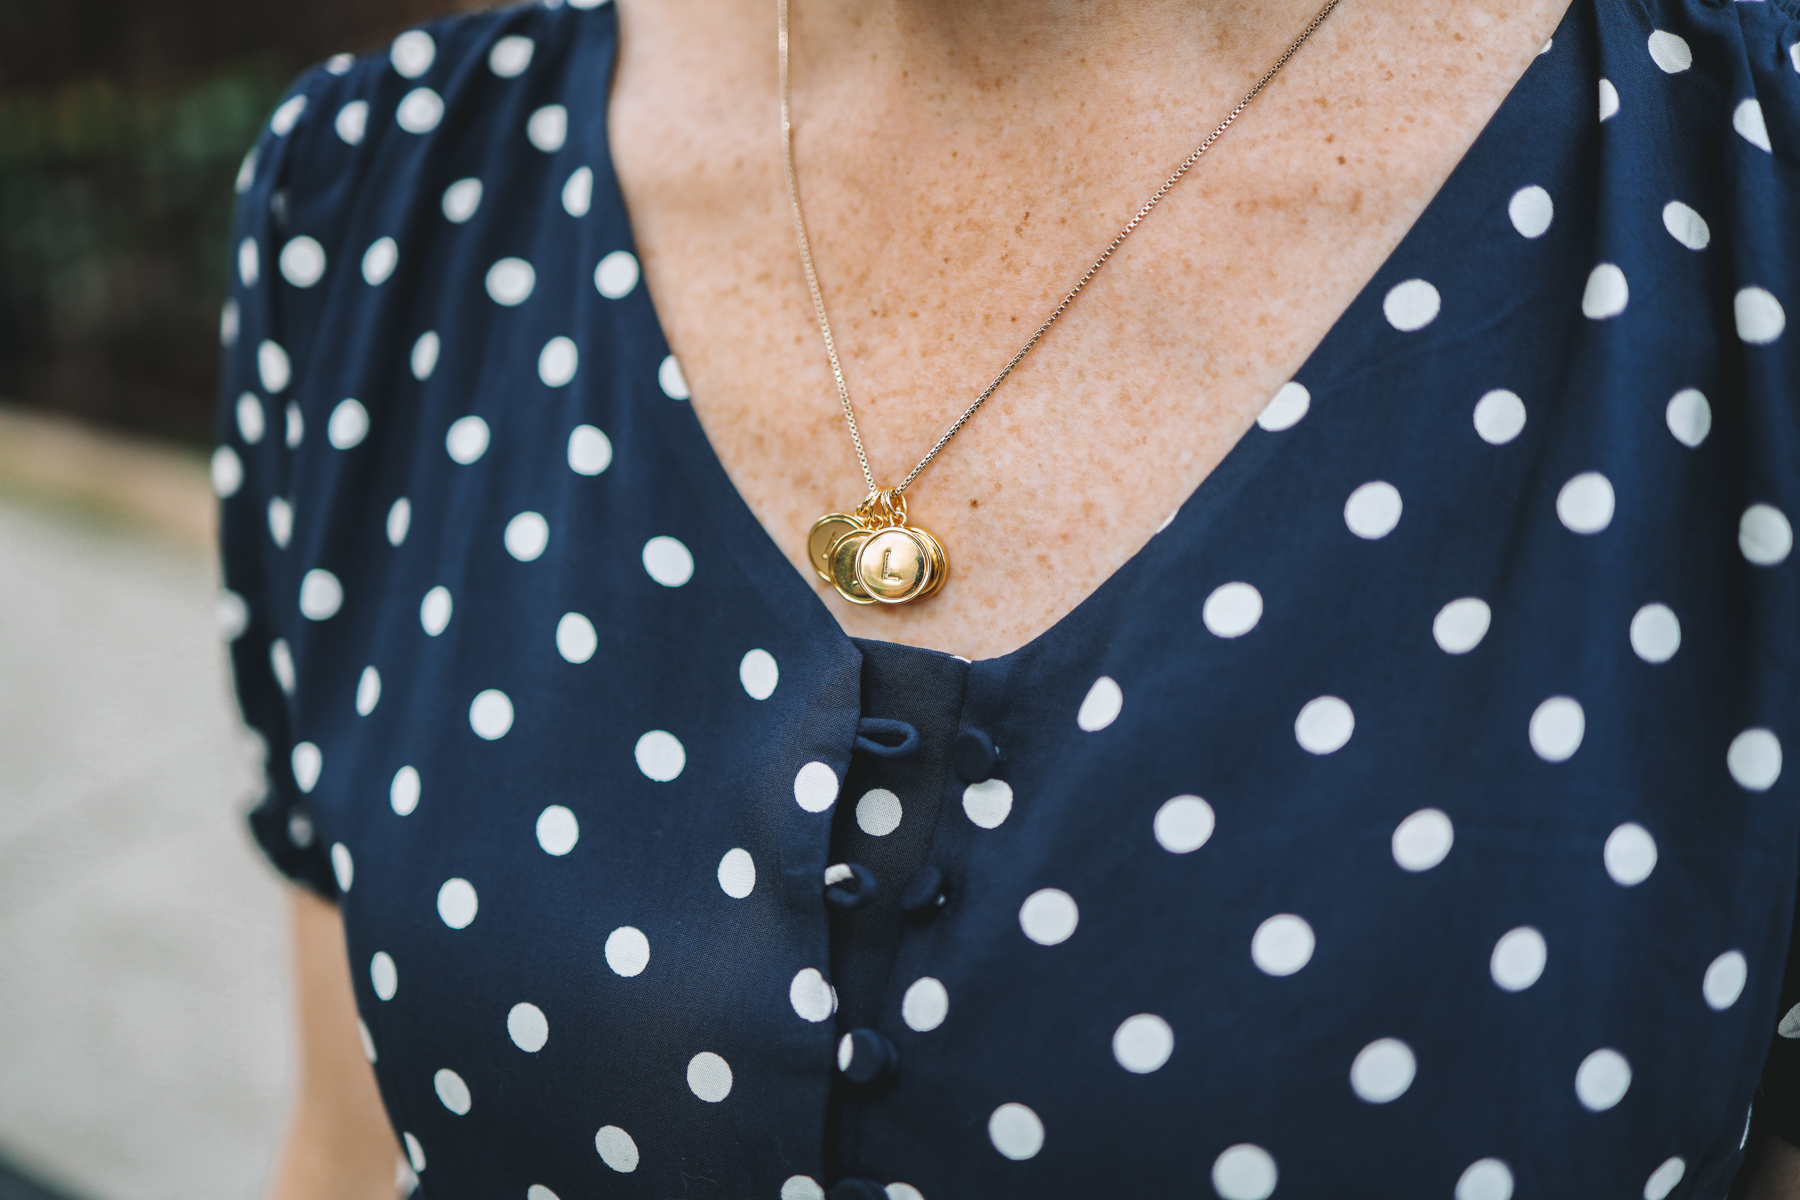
1408 818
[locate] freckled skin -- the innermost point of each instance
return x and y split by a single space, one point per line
962 162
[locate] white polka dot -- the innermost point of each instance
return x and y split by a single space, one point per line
420 110
1324 726
1551 42
1585 503
367 1039
1747 119
1724 981
321 595
1282 945
1630 854
461 199
1760 317
557 830
1662 1181
1232 610
1602 1080
590 452
616 1149
246 175
342 866
456 903
1557 727
281 521
1518 959
452 1091
1382 1071
510 280
1789 1025
737 873
412 53
1412 305
1531 211
415 1153
348 424
709 1077
1499 417
1100 707
616 275
1606 294
1485 1179
1609 100
1285 408
296 424
1670 52
660 755
578 192
423 360
1689 417
815 787
878 813
281 663
467 439
352 123
403 793
988 803
307 761
1244 1172
434 610
1754 759
1016 1132
903 1191
251 420
232 614
1461 624
802 1187
1764 535
548 128
1655 633
1143 1043
526 536
379 261
668 561
1049 916
1183 824
272 367
528 1027
576 639
1686 226
302 262
557 361
510 56
1373 510
672 381
759 674
925 1005
627 951
399 520
383 975
811 996
1423 840
300 829
491 714
281 122
227 472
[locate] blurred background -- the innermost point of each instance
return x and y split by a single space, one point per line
144 1050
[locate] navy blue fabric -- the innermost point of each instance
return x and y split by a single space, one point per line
1318 856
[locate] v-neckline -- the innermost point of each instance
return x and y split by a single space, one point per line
786 590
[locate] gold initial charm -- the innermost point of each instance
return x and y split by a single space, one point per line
874 556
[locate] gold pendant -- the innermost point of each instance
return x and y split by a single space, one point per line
874 556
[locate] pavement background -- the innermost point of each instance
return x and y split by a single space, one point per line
144 1005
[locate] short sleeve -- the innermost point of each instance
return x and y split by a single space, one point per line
294 177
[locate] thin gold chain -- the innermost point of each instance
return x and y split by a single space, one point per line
818 297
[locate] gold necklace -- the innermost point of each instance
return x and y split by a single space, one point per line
874 555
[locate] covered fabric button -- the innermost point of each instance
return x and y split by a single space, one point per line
849 885
974 755
858 1189
864 1056
924 893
